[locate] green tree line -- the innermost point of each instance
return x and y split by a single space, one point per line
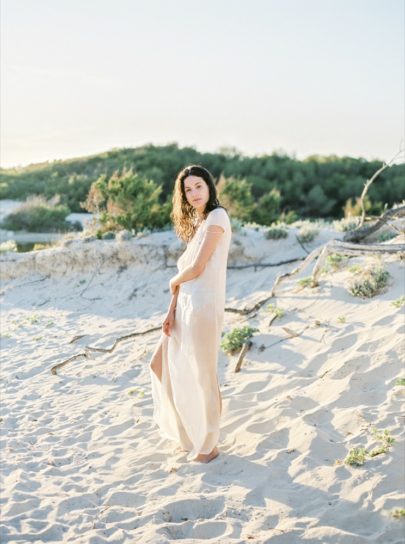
136 184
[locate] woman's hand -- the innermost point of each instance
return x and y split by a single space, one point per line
174 286
169 322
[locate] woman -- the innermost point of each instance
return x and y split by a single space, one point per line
183 369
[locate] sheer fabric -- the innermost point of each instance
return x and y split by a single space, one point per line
187 402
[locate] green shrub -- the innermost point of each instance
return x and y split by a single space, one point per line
38 215
267 209
387 235
333 262
346 224
399 302
370 283
234 339
307 233
306 282
275 232
356 456
279 312
126 200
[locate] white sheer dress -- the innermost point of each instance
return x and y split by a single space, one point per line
186 403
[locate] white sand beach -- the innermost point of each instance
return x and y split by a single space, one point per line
83 462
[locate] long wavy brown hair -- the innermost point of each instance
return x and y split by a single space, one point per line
183 214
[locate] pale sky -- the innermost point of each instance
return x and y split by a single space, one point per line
81 77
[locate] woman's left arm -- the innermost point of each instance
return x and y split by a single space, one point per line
212 235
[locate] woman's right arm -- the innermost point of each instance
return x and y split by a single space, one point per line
173 302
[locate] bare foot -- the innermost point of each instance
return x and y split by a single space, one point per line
207 457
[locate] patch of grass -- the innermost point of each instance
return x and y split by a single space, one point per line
38 246
346 224
275 232
399 302
355 269
235 339
307 233
136 391
387 235
275 310
380 449
37 214
341 318
399 513
356 456
333 262
34 318
400 381
306 282
371 282
384 436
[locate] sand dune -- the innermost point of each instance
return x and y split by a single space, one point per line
82 461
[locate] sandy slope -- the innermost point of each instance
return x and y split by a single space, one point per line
82 461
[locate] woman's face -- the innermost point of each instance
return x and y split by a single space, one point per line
197 192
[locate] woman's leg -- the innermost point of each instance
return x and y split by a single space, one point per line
156 360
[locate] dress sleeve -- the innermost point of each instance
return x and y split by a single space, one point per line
218 217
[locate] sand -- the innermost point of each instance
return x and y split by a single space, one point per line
83 462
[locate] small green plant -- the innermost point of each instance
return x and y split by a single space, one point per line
38 246
275 310
399 513
371 282
384 436
355 269
333 262
33 318
341 318
275 232
235 339
136 391
37 214
307 233
306 282
399 302
356 456
400 381
346 224
387 235
379 449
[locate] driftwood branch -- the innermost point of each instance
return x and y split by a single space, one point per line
245 347
88 349
361 232
321 253
371 180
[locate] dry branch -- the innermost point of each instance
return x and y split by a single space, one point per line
370 181
102 350
361 232
246 346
